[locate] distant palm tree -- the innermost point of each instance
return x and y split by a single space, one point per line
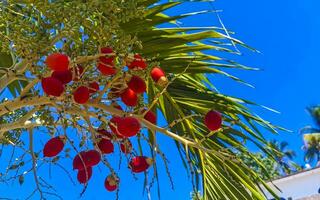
268 172
312 147
276 164
311 137
284 157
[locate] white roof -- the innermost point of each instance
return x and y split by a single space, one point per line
296 175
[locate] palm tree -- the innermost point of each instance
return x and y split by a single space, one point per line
263 165
283 157
311 137
312 147
135 26
278 164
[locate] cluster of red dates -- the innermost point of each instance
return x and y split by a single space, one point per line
122 128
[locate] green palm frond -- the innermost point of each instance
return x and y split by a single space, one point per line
179 51
311 136
312 147
315 113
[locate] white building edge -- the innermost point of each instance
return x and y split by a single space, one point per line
303 185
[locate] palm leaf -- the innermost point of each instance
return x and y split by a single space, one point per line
175 49
16 86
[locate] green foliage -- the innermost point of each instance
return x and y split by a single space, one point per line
30 31
311 137
13 136
5 60
178 51
312 147
284 157
315 113
279 165
264 164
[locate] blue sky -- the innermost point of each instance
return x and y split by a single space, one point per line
286 32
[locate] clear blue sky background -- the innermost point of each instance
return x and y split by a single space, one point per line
287 34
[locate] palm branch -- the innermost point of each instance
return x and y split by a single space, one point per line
181 53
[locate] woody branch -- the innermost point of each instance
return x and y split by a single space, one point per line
52 102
